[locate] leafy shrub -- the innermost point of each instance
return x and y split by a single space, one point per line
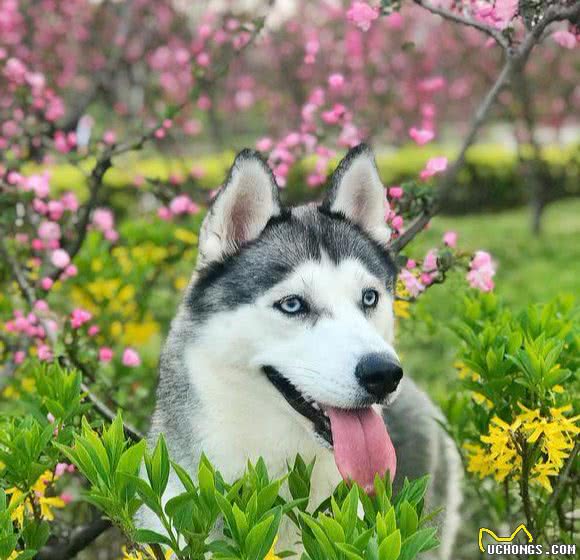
250 509
515 414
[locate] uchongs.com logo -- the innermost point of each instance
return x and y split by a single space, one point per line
504 546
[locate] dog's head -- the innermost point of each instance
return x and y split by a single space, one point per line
299 301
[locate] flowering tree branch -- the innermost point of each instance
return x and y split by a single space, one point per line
515 61
30 296
493 32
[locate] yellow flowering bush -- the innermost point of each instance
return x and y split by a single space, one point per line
515 414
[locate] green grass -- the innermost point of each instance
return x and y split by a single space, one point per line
530 270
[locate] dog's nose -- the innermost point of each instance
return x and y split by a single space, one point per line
379 374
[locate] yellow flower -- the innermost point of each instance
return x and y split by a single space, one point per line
38 494
139 333
401 309
554 434
186 236
181 283
464 372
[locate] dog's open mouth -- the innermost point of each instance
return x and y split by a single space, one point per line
359 438
308 408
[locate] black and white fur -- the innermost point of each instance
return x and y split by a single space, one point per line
213 394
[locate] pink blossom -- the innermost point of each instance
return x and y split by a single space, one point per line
421 135
40 305
66 497
44 353
69 202
79 317
93 330
397 222
182 204
450 238
60 469
431 85
434 165
109 137
430 261
395 192
164 213
48 230
482 271
50 417
411 282
565 39
60 258
362 15
264 144
336 81
410 264
46 283
105 354
15 71
103 219
19 356
131 358
70 271
505 10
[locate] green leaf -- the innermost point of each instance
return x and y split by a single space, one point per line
390 547
147 536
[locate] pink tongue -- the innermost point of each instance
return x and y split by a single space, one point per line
362 446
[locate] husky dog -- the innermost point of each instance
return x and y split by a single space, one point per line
283 344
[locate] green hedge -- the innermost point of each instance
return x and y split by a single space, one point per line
491 178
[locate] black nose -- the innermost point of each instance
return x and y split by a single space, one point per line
379 374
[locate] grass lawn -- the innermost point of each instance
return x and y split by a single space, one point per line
529 270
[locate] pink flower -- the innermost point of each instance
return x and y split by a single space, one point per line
79 317
60 469
397 222
431 85
434 165
44 353
131 358
60 258
19 356
264 144
182 204
421 135
505 10
482 271
362 15
48 230
70 202
450 238
105 354
565 39
336 81
70 271
46 283
40 305
103 219
93 330
50 417
164 213
411 282
109 137
66 497
430 261
395 192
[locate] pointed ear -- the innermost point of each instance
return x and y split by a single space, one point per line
241 209
356 192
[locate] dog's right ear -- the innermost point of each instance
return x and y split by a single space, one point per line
241 209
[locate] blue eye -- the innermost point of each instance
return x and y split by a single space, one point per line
370 298
291 305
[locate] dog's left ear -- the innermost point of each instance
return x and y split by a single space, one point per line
357 193
241 209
